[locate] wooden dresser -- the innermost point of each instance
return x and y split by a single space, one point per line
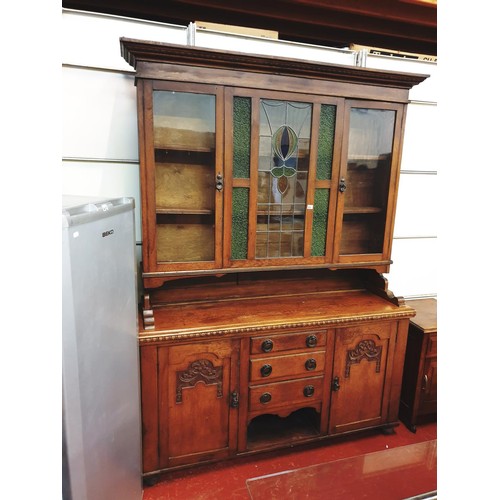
419 389
268 198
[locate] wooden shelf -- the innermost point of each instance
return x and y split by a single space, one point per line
277 214
183 211
185 155
186 148
270 430
366 157
362 210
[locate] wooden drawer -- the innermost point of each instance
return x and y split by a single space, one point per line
291 393
293 365
431 345
287 342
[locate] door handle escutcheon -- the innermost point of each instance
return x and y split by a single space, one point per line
335 384
219 182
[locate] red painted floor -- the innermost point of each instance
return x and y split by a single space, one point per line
242 478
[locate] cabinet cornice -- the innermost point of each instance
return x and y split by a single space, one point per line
134 51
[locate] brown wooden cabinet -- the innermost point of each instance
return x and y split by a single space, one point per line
419 391
268 195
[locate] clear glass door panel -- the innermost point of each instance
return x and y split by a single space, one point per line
371 136
184 145
284 142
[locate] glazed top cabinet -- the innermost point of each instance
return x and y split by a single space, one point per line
251 162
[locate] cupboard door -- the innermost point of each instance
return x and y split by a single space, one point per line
368 184
183 177
282 169
362 370
428 398
197 402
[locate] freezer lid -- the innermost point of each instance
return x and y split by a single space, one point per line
80 209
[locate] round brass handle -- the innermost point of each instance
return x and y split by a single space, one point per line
267 345
310 364
308 391
266 370
265 398
311 341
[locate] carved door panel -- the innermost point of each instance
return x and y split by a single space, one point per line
197 402
362 369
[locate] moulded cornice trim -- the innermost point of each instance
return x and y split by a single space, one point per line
135 51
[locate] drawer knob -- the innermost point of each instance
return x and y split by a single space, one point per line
266 370
310 364
265 398
311 341
308 391
267 345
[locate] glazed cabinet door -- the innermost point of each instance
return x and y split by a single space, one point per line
198 402
181 175
282 165
371 151
361 377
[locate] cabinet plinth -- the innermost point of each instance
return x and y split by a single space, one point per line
267 222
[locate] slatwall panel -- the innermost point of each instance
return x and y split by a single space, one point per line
272 47
99 115
420 148
414 272
417 205
94 39
100 145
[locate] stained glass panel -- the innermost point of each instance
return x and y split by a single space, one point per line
241 137
284 143
320 221
325 142
239 234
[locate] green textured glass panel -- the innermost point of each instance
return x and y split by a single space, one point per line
239 234
325 142
320 221
241 137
